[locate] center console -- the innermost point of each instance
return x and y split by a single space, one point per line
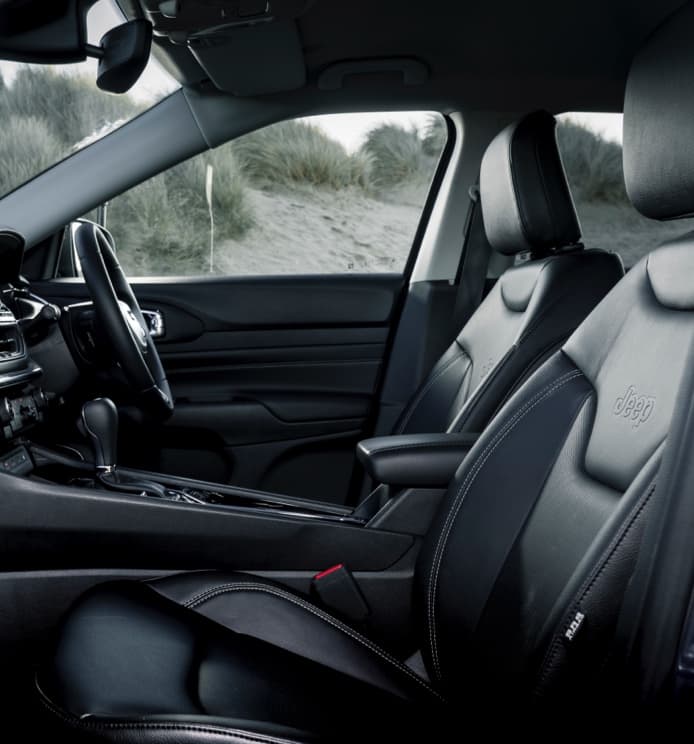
65 468
412 473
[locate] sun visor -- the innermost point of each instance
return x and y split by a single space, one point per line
253 60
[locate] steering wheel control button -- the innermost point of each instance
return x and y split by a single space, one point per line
138 332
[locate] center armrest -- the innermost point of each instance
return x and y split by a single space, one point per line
415 460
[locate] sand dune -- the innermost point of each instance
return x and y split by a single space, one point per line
311 231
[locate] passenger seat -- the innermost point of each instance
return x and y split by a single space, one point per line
534 306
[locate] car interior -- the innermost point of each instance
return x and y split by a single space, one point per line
391 496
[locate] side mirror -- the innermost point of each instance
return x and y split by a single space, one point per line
123 54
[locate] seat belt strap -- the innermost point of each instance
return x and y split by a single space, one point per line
472 271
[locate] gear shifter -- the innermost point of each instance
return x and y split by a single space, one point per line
100 422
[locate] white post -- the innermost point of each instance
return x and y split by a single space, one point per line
209 172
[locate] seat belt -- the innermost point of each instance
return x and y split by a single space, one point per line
471 278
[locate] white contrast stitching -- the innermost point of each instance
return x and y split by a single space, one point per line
229 733
441 444
463 491
241 586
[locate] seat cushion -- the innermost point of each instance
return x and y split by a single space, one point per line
228 654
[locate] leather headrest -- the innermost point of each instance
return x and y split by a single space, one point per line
526 201
658 116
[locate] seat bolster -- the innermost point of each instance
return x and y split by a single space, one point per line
218 657
171 729
272 613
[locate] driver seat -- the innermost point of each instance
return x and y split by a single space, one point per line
520 578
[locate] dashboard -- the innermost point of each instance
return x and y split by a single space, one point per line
29 337
22 400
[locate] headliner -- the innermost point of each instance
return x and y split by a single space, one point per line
504 55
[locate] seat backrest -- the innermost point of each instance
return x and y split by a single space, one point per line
532 308
521 577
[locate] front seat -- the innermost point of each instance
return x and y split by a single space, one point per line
521 576
535 306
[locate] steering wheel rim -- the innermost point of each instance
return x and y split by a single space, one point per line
120 315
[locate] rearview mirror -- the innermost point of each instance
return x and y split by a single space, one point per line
55 33
123 54
46 33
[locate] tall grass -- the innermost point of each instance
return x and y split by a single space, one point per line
70 105
395 154
593 165
296 152
163 225
434 136
27 147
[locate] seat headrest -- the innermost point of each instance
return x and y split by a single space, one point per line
658 116
526 201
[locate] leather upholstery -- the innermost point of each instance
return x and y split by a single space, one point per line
517 588
670 273
534 307
640 339
414 460
534 540
525 197
222 650
529 312
658 112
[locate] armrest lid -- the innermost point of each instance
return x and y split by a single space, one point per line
415 460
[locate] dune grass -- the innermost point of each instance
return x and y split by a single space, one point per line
27 147
163 224
395 155
295 152
593 165
71 106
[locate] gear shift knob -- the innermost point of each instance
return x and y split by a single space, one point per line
100 420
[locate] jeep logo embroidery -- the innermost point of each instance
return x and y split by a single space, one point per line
636 408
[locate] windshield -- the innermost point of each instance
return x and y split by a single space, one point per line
50 112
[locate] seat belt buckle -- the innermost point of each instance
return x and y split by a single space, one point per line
337 590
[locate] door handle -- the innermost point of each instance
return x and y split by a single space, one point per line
155 322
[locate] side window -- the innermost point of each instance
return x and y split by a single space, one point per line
327 194
591 149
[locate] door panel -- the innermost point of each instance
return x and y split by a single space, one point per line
273 377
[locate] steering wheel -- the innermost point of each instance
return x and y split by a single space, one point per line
120 316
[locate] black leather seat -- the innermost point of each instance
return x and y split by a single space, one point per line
533 307
520 578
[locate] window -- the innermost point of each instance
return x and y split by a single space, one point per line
326 194
591 149
50 112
